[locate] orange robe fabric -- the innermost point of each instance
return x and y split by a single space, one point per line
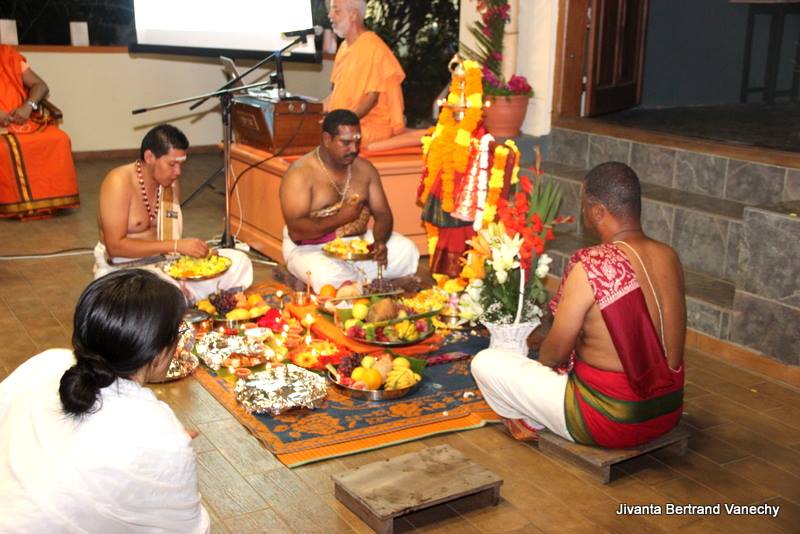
369 66
37 174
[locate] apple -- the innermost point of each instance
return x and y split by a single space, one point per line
360 311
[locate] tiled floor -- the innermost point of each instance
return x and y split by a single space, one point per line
745 446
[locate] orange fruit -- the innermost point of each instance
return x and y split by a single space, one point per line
254 299
372 378
327 291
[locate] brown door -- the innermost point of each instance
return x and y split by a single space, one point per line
615 55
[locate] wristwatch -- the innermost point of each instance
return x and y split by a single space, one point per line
33 104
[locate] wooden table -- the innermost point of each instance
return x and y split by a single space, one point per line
255 206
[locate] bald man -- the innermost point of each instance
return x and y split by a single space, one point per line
366 75
619 322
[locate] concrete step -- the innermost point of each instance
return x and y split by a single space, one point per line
746 182
705 231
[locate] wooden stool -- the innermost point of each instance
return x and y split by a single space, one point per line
598 461
380 491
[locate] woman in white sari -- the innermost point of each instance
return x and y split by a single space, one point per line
84 446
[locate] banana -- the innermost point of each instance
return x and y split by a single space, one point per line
401 378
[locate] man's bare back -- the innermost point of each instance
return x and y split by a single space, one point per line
594 344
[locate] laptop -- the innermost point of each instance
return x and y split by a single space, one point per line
231 72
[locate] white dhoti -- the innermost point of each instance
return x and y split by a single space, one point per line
240 274
516 387
402 260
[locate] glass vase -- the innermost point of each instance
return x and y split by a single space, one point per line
511 337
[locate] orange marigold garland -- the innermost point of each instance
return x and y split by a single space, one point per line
447 149
496 179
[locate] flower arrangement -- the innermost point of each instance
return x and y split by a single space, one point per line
488 33
506 264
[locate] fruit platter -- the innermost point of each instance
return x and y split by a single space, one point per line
348 249
384 376
386 322
233 307
189 268
330 299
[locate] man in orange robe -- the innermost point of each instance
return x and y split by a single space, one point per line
37 174
366 76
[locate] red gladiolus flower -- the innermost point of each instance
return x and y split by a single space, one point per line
536 223
527 185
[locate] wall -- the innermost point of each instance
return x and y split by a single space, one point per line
695 52
97 89
535 55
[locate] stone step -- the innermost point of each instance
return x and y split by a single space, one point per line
746 182
709 300
705 231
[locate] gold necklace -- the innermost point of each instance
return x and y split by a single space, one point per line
342 192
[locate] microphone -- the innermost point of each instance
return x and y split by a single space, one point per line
316 30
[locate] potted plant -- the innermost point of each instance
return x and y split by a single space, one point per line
506 101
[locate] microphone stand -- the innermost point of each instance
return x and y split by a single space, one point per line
224 93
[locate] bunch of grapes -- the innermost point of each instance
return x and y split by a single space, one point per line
348 363
378 285
223 301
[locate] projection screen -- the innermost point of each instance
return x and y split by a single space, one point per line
235 28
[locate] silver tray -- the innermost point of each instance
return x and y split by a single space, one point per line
372 394
180 367
233 323
398 343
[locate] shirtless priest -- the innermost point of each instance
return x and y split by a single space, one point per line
331 192
140 218
620 317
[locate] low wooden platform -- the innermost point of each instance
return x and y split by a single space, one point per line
598 461
381 491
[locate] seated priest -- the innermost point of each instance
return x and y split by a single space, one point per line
618 334
140 218
37 174
367 79
331 192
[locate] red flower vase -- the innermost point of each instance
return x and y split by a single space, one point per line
505 114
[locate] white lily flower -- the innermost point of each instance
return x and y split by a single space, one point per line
469 308
543 266
474 289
